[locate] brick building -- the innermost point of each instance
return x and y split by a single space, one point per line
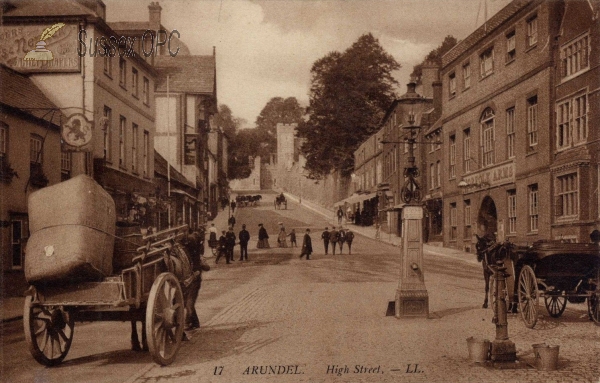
498 126
575 150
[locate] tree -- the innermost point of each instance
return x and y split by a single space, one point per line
435 56
349 95
237 164
277 110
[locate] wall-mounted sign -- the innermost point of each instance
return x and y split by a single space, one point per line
40 47
77 134
190 149
494 176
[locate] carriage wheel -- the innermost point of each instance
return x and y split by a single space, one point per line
594 307
48 332
213 252
528 296
555 304
164 319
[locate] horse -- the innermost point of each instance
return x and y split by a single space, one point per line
488 253
484 248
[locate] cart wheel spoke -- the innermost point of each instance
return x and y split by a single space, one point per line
164 318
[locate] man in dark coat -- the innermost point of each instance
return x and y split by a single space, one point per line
349 239
244 237
334 236
231 221
325 237
195 252
306 245
340 215
233 205
230 240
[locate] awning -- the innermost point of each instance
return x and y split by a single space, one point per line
357 198
179 191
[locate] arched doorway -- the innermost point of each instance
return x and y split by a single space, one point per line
487 219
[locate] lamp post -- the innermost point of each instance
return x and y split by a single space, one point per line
412 299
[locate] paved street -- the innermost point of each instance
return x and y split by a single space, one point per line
311 319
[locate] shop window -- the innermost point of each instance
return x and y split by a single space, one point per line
533 208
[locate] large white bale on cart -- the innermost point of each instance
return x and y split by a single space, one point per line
72 228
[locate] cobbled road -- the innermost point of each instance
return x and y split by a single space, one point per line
277 318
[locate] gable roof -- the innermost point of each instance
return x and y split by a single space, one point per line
19 92
189 74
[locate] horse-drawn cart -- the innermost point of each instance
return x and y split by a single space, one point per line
556 271
70 282
280 202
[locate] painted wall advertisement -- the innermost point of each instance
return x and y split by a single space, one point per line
40 48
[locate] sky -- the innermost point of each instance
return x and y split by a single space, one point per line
266 48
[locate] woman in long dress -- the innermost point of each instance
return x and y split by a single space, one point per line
263 238
282 238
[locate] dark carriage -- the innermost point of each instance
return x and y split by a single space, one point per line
554 271
78 272
559 273
280 202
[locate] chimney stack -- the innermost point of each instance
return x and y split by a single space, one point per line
430 74
437 98
154 10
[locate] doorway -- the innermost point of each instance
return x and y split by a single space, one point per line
487 219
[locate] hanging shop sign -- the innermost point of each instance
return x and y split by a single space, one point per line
77 134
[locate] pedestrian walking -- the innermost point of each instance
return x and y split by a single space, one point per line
263 237
340 215
282 238
349 239
233 205
357 217
231 221
334 236
341 239
306 245
212 233
349 214
195 250
222 248
244 237
230 236
325 236
292 236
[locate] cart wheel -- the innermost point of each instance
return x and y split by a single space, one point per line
528 296
213 252
594 307
164 319
555 305
48 332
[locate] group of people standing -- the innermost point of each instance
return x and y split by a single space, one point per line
337 238
227 241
